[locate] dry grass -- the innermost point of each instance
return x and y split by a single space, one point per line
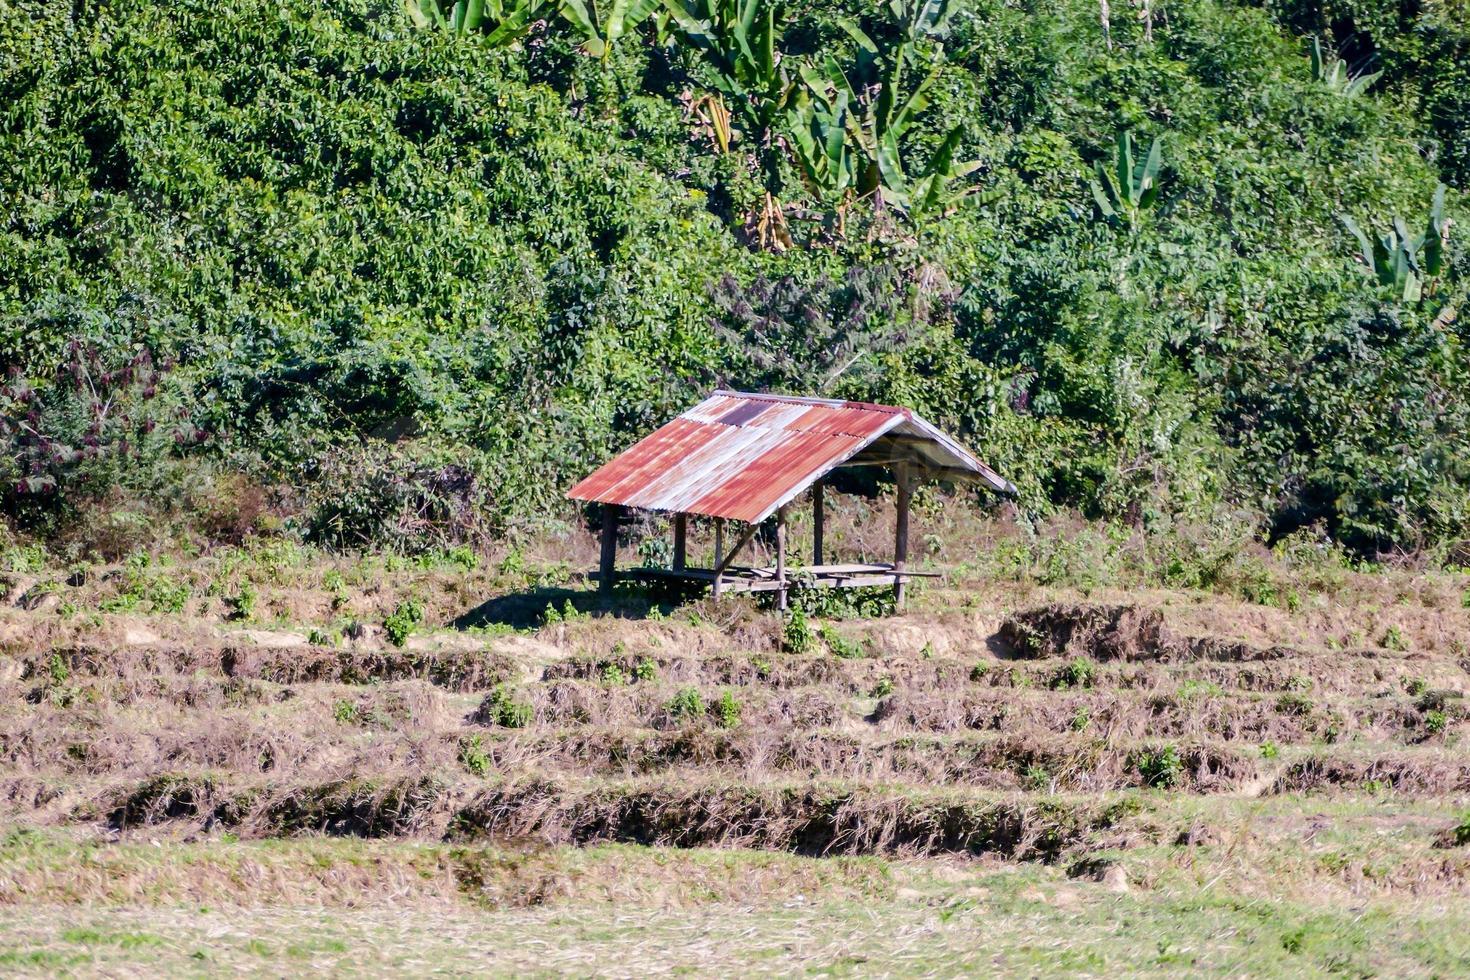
1254 771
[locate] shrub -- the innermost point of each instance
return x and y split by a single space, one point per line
796 634
411 497
242 603
841 646
883 688
1293 703
1435 722
1191 690
979 672
613 676
645 670
1269 750
403 620
108 417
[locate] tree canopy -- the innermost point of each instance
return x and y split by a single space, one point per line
400 257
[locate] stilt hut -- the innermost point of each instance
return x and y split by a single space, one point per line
741 459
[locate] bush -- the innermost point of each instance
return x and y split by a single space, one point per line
402 621
796 634
412 498
242 603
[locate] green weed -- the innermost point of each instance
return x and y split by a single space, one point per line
796 634
1077 672
504 709
403 620
473 757
1160 767
727 710
841 646
687 704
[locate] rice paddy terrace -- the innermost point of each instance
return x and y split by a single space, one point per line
352 768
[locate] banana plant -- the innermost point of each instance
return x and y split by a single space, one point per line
738 40
503 22
920 19
933 191
1335 76
817 120
1130 186
874 82
1394 258
879 105
602 25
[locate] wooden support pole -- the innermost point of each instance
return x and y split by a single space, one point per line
607 567
681 531
781 558
901 531
719 561
818 521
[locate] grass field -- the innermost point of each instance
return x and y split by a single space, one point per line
278 762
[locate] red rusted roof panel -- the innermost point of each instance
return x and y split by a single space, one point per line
741 456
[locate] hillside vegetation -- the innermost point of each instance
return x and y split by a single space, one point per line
340 271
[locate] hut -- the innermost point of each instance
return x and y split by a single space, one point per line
743 458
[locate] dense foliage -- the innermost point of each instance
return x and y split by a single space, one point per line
425 276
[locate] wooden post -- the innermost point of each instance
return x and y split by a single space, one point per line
607 567
681 529
818 520
781 558
901 532
719 555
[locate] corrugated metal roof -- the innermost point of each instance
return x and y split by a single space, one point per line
741 456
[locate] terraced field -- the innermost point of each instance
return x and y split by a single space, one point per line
1007 777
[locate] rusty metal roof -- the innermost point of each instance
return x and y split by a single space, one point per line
741 456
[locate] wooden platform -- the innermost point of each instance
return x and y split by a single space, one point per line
747 579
